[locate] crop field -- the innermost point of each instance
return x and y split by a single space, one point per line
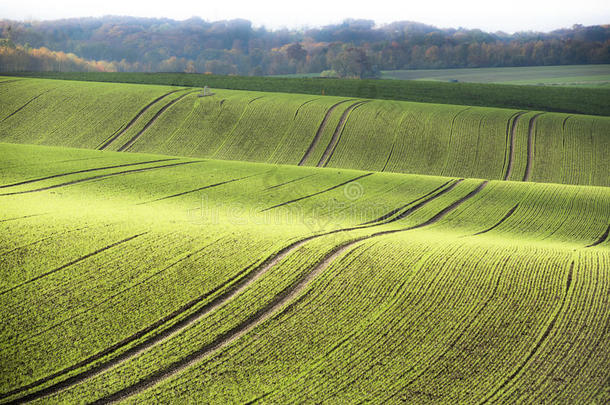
593 101
571 75
366 134
255 247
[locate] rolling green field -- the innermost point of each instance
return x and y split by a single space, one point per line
564 99
378 135
260 247
571 75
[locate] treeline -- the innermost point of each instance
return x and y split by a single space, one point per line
17 58
355 48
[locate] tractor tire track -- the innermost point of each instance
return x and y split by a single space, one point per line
506 141
200 188
244 279
426 201
601 238
452 207
23 106
563 131
101 176
318 193
83 171
254 99
130 142
451 137
73 262
271 309
229 134
52 161
120 132
402 120
318 135
511 144
290 181
9 81
497 224
334 141
53 236
395 211
530 147
299 107
539 342
23 217
388 159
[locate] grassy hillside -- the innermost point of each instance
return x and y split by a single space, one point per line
324 131
568 100
151 278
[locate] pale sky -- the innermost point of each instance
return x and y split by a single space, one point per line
488 15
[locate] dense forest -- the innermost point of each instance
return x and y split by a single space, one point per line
354 48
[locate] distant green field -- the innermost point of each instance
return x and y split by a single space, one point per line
579 75
569 100
348 133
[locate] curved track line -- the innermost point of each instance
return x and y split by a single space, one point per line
254 99
80 259
395 211
511 145
318 135
23 217
9 81
101 176
83 171
398 128
289 181
229 134
504 218
530 146
451 137
200 188
269 310
334 141
52 236
426 201
318 193
540 341
506 141
388 159
440 215
130 142
117 134
23 106
305 103
601 238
